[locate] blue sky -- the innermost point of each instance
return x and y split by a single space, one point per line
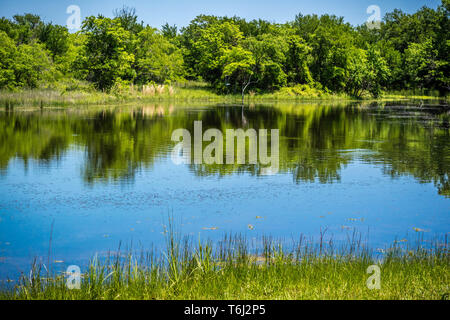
158 12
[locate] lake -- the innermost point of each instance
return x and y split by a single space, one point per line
87 179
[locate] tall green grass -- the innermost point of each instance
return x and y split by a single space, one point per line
236 268
180 92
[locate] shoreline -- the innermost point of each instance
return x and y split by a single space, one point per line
230 269
53 98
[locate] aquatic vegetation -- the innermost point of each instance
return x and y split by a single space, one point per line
234 268
178 92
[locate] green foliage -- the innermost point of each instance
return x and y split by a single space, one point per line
368 71
23 66
128 19
298 60
238 65
157 59
32 64
169 32
7 57
269 52
409 51
106 54
232 268
423 66
55 38
211 45
26 28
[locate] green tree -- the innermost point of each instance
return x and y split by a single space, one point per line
298 60
157 59
55 38
128 19
27 27
367 72
107 54
211 45
23 66
7 58
422 65
203 43
32 64
169 32
238 68
330 42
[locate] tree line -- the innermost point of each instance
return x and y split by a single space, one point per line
408 51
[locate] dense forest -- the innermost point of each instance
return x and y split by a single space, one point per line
232 55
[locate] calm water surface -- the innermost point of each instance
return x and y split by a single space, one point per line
105 176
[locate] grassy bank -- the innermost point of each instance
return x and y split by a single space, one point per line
234 269
183 92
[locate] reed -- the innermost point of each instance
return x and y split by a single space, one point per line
181 92
236 268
